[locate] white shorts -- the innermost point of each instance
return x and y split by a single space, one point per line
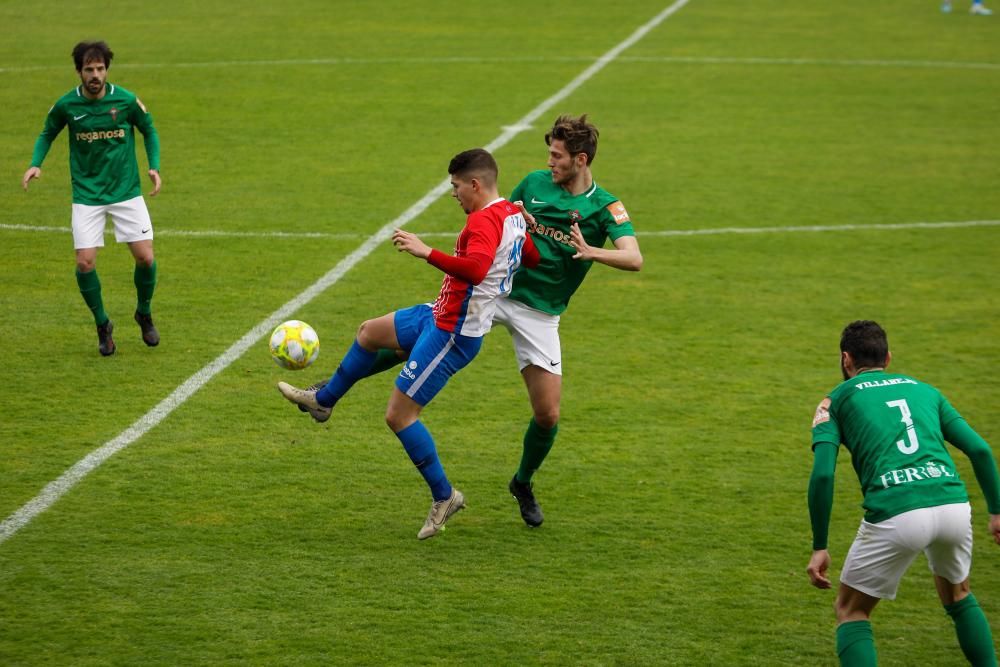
130 218
535 335
883 551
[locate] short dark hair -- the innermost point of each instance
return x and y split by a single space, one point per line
866 342
577 134
475 163
86 52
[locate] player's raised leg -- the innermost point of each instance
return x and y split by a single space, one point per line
356 363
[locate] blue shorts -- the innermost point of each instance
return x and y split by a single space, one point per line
435 354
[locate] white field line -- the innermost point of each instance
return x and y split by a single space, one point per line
705 231
57 488
474 60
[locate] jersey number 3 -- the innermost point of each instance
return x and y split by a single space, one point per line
911 431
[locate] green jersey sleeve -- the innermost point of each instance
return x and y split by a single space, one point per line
984 465
821 493
142 120
55 121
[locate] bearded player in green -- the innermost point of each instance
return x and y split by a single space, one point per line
895 428
105 176
570 219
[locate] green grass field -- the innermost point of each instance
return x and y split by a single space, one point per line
236 531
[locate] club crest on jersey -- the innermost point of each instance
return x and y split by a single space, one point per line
114 114
575 217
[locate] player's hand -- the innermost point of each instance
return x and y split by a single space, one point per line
33 172
995 527
527 216
411 243
818 566
583 251
154 176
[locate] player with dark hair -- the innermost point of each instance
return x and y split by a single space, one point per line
443 337
105 175
570 218
895 428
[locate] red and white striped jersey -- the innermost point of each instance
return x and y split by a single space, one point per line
497 231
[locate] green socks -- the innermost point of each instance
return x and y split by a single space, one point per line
384 360
90 289
537 443
973 631
145 282
856 645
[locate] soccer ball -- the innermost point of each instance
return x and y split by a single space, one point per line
294 345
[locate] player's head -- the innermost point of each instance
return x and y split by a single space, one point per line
473 178
863 344
92 60
572 146
88 52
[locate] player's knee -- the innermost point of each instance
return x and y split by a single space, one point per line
363 336
85 264
396 421
547 417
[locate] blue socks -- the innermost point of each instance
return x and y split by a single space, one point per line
419 445
354 366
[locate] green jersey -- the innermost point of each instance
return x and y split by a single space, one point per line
549 286
102 160
892 425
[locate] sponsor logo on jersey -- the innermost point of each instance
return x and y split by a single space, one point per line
617 210
553 233
932 470
822 412
91 137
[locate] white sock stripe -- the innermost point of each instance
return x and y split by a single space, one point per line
52 492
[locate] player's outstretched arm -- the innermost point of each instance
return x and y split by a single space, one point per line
625 255
33 172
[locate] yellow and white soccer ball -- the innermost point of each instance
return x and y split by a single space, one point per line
294 345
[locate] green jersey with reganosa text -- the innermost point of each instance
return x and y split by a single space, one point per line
102 161
894 427
601 216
